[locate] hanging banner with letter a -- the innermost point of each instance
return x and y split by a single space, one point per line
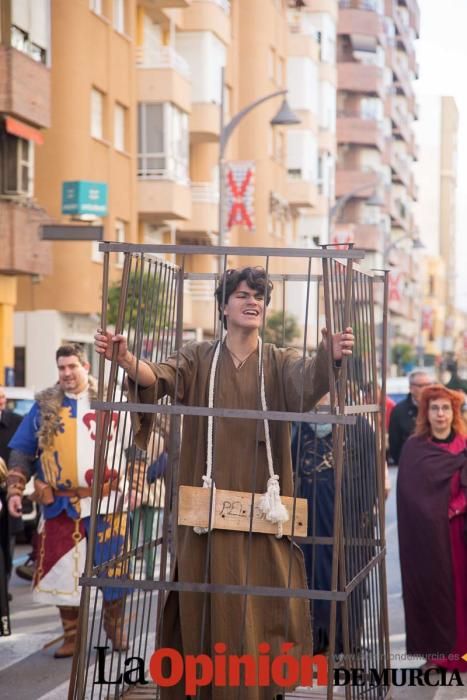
240 194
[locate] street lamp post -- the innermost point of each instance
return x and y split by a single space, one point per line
284 117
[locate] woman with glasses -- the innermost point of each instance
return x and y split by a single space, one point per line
431 513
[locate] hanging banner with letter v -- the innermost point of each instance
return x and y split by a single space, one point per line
240 194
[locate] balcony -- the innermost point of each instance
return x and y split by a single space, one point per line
400 215
208 16
327 141
302 193
21 250
303 39
354 129
414 147
24 87
163 76
403 37
369 237
349 180
413 188
414 108
160 199
366 236
400 120
358 18
204 221
204 123
414 11
198 302
400 70
360 78
400 167
326 6
157 5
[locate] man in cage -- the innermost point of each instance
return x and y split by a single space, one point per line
55 443
246 455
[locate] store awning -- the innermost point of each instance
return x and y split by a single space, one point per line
17 128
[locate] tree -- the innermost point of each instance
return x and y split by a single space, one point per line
281 328
146 297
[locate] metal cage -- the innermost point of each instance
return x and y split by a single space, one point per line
344 544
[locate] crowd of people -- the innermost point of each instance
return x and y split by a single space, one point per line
427 439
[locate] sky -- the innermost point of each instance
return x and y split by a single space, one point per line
442 55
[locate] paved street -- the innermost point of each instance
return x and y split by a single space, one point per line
27 672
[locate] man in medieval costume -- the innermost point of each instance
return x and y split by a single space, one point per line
55 443
240 455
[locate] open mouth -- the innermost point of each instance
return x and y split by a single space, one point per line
251 312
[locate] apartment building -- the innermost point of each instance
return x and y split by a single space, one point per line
264 46
433 317
25 114
311 152
376 146
137 93
91 141
436 171
448 194
135 111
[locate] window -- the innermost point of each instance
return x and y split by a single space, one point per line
119 16
96 6
119 127
271 63
280 72
302 155
303 83
17 158
162 142
97 114
151 158
30 28
20 40
205 54
120 230
372 108
327 106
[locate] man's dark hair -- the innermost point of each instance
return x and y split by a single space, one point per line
71 349
256 279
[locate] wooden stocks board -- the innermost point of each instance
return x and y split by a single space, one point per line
233 511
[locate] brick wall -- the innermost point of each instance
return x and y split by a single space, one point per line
24 87
21 250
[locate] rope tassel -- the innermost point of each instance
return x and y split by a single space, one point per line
271 505
207 484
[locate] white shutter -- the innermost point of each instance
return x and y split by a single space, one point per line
39 23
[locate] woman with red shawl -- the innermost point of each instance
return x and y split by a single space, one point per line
431 512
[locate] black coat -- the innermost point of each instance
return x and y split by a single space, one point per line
401 426
9 423
9 526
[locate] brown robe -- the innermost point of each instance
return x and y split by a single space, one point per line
237 443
